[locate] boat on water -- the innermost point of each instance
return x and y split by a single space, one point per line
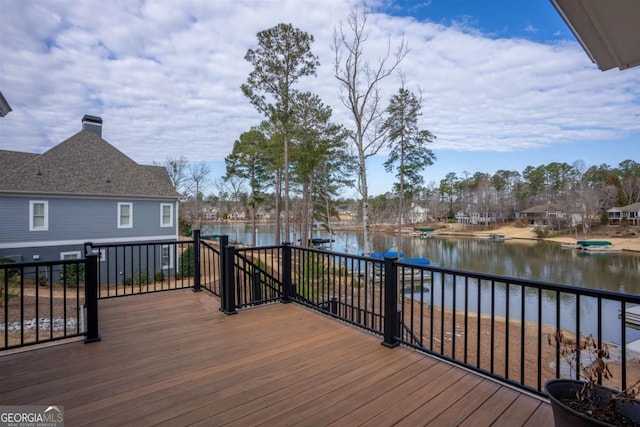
407 273
495 237
388 254
588 243
320 242
596 246
423 232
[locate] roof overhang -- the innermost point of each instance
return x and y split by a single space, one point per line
608 30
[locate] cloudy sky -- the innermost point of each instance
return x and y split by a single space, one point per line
505 84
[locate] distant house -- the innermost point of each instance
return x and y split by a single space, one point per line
631 213
237 215
263 215
210 213
542 215
81 190
464 217
416 214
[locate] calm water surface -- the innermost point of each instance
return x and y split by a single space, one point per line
543 261
525 259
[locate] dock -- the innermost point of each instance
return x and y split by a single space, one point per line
632 315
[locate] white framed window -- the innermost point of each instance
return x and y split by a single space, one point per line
166 215
70 255
125 215
167 257
38 215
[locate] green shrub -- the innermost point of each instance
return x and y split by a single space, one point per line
12 273
185 265
541 233
141 277
72 274
159 276
184 226
12 277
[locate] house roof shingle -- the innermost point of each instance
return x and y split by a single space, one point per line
541 208
84 164
635 207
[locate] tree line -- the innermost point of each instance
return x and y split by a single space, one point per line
297 161
572 188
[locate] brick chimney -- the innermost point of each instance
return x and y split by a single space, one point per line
92 124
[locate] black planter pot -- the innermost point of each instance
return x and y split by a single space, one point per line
563 415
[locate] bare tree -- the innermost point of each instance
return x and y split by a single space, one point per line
177 169
360 93
198 175
235 186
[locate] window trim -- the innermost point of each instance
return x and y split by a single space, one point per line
162 206
32 226
171 251
120 205
78 255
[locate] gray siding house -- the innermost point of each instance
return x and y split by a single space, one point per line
81 190
630 213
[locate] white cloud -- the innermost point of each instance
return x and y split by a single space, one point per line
165 77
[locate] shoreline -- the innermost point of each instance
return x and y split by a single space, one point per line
626 244
629 244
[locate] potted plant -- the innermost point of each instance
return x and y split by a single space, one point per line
586 402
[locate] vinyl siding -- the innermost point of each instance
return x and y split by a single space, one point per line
81 219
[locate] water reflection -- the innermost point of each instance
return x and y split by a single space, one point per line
525 259
541 261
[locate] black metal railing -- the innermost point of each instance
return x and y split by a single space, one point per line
257 275
344 286
46 301
43 301
144 267
136 268
503 327
507 327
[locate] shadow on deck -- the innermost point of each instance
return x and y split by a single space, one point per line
173 358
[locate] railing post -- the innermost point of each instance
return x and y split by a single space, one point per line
255 284
227 290
88 248
91 297
287 291
333 305
196 260
223 241
390 303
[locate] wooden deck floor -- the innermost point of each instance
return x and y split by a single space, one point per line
173 358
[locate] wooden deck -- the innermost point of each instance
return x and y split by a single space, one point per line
173 358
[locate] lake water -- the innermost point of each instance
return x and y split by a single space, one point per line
524 259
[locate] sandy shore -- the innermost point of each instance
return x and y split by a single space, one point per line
624 243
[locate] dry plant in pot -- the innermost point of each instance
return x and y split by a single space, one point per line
586 402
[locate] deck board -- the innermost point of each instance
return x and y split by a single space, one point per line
173 358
